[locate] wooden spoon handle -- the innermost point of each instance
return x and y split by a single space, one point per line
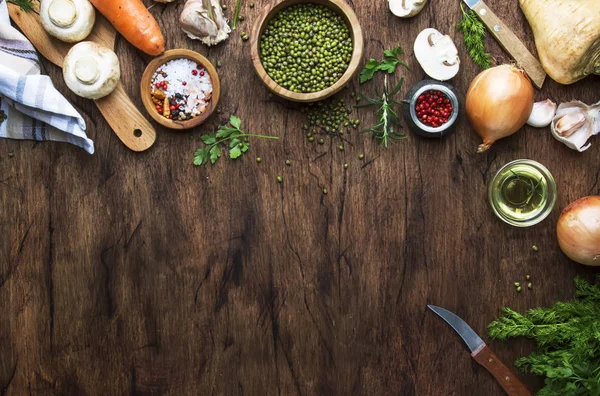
125 119
509 382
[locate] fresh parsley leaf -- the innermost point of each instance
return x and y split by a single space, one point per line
235 152
232 135
389 64
215 153
209 138
235 122
26 5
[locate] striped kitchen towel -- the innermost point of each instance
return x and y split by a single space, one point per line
30 107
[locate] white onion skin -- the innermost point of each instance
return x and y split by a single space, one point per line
578 231
499 103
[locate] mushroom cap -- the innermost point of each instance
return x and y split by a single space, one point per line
67 20
406 8
91 71
437 54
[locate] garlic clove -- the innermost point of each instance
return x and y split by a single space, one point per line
570 123
542 114
203 20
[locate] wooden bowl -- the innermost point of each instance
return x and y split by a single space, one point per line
270 12
147 94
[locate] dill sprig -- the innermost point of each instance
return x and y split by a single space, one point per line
388 119
568 341
25 5
474 32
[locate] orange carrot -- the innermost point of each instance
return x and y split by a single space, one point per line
134 22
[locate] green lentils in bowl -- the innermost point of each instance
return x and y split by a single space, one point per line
306 48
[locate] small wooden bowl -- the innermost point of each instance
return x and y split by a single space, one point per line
349 17
146 92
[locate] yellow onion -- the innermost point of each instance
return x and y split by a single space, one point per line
499 102
578 231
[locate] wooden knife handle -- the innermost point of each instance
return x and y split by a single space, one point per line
512 44
509 382
124 118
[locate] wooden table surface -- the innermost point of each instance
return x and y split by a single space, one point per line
143 274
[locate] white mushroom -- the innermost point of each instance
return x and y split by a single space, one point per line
406 8
437 55
91 71
67 20
203 20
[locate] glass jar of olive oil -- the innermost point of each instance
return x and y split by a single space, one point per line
522 193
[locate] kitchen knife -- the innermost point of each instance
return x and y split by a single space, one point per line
482 354
509 42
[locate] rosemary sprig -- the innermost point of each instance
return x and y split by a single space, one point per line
474 32
388 119
531 187
26 5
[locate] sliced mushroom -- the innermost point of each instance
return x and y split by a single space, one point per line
437 55
67 20
406 8
91 71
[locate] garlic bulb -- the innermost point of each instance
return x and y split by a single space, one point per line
574 123
203 20
542 114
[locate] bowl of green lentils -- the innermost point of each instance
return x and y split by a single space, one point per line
307 50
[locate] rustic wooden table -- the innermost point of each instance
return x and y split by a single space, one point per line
124 272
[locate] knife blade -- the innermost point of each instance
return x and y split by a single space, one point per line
509 41
482 354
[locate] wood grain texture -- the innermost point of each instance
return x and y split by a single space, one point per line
146 91
507 379
511 43
270 11
138 273
117 108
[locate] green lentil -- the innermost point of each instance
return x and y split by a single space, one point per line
361 156
251 5
517 284
530 286
341 148
288 162
258 159
325 191
535 248
306 48
345 166
311 139
527 277
321 141
279 179
241 18
519 289
223 6
11 154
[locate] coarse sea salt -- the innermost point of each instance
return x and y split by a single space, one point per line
180 80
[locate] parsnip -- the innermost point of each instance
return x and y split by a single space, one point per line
567 36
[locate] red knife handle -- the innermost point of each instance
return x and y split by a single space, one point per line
509 382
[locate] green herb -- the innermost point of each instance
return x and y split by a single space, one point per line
26 5
388 119
474 32
567 336
531 188
2 116
236 14
389 64
232 134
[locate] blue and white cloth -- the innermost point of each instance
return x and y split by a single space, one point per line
33 108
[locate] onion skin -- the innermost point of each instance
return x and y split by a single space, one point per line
578 231
499 103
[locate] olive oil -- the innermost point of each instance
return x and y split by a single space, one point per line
522 193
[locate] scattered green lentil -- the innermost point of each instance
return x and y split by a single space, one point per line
321 141
535 248
251 5
519 289
218 111
527 277
306 48
311 139
279 179
241 18
341 148
258 159
361 156
245 36
327 117
219 63
517 284
530 285
288 162
325 191
224 6
345 166
11 154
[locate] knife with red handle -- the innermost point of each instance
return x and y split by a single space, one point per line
483 355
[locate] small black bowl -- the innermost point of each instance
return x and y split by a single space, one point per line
410 115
